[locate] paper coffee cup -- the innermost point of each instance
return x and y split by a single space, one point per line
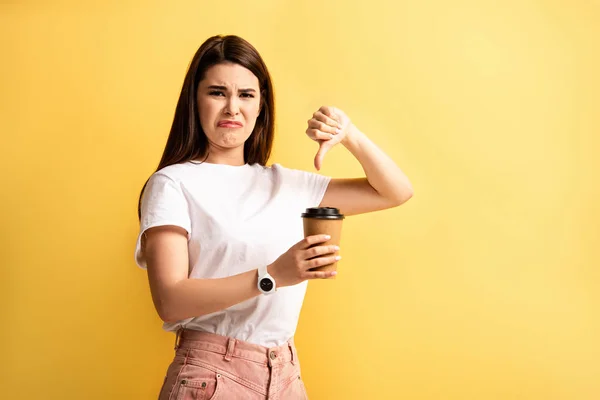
324 221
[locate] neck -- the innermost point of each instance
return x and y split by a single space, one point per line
232 157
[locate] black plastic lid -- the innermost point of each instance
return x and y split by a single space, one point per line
323 213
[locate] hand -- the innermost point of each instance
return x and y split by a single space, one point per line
328 126
292 267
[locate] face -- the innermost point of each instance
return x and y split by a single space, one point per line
228 105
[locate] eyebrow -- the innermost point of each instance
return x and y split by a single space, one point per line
217 87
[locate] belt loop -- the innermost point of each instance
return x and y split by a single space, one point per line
294 354
178 337
230 346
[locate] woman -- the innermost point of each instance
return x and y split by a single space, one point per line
215 220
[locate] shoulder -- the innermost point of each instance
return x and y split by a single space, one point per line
272 170
296 177
174 169
277 168
175 172
279 172
290 172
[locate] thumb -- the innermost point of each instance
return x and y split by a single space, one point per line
324 147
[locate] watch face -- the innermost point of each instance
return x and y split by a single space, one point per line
266 285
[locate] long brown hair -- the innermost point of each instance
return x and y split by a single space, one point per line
187 141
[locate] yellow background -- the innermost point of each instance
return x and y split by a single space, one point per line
484 286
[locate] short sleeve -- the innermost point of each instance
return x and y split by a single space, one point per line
163 203
307 187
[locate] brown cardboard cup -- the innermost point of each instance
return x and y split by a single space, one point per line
324 221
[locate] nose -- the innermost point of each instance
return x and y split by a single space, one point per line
232 107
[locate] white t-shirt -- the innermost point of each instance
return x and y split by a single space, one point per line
237 218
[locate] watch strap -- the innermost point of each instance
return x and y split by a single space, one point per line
262 271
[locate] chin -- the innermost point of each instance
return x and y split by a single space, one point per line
230 140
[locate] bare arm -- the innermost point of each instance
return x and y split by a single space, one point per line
177 297
385 185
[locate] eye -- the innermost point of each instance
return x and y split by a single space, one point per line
216 93
247 95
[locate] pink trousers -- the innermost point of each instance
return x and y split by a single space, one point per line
213 367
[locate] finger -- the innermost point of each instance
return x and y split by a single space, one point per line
329 120
319 274
328 111
331 112
311 240
316 134
323 126
323 149
317 251
321 261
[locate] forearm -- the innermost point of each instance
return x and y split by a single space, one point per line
197 297
381 171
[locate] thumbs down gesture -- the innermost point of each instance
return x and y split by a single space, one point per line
328 127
